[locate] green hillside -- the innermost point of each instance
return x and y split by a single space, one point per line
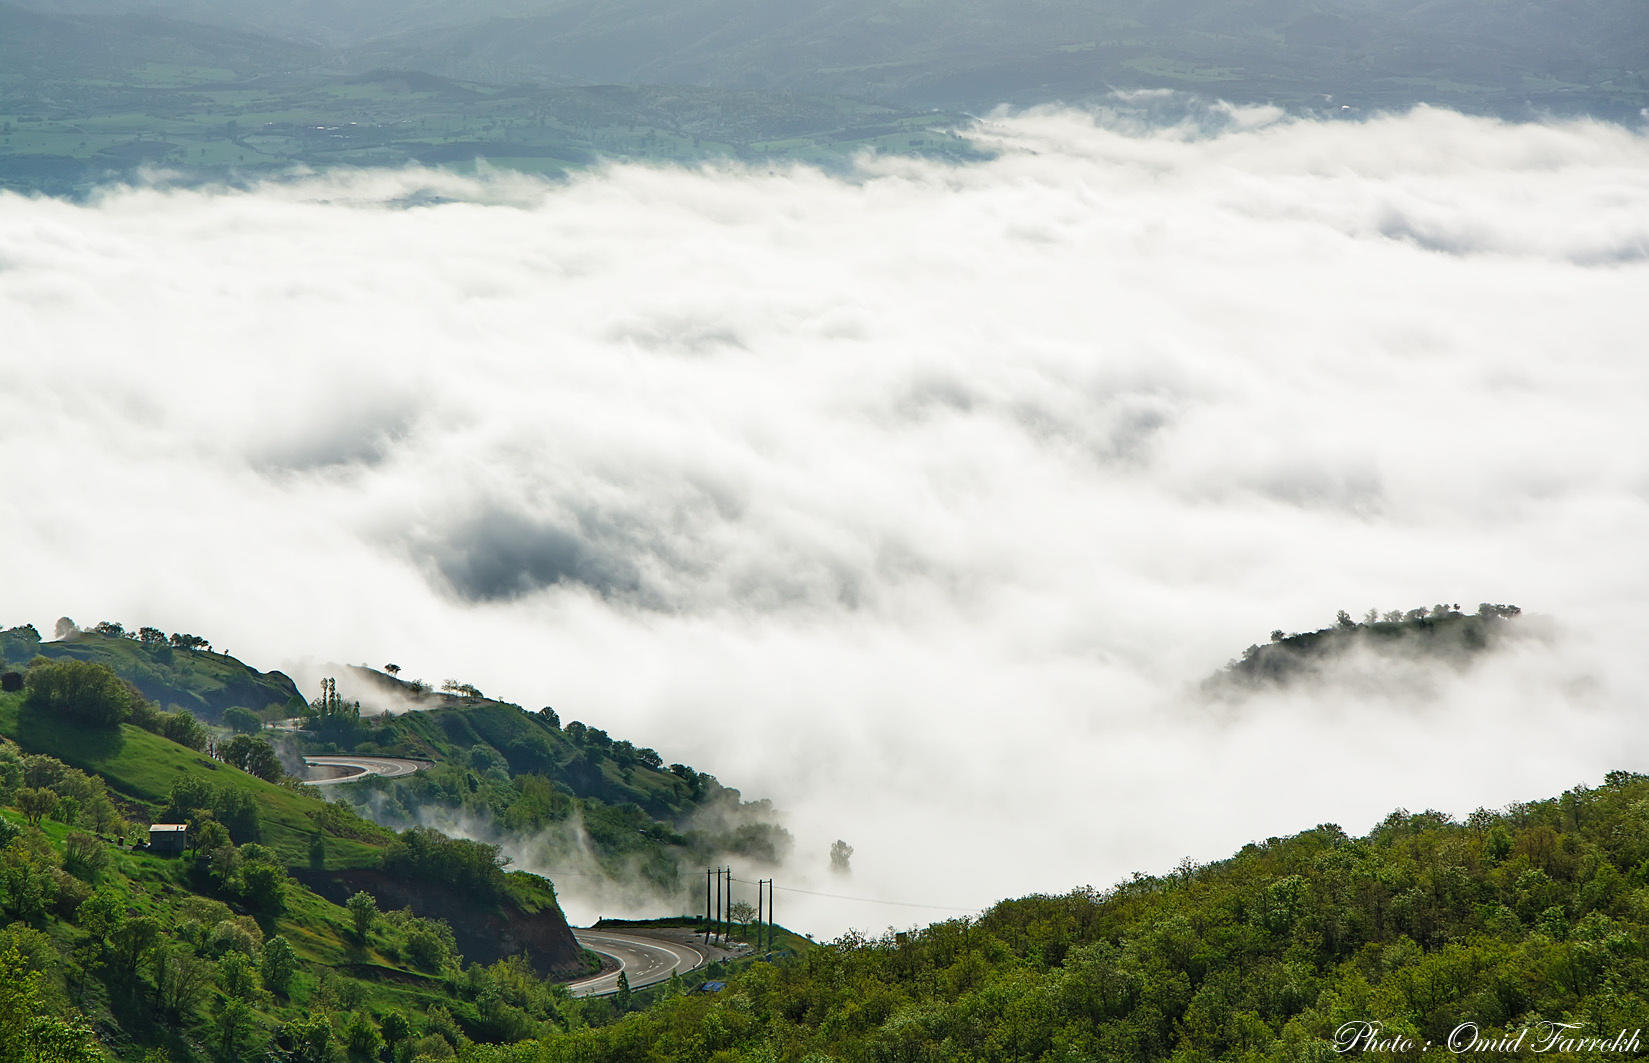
571 791
291 929
172 675
1509 921
149 778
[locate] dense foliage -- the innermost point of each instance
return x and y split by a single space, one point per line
88 692
467 865
1539 912
109 950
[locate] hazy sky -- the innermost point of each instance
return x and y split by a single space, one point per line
916 499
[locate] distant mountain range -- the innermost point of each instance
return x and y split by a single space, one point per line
968 54
97 89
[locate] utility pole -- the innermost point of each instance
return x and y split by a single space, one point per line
719 932
727 910
759 913
707 906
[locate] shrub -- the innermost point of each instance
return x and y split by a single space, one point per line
80 690
244 720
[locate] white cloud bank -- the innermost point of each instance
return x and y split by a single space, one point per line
914 500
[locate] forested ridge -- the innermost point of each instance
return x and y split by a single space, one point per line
1538 912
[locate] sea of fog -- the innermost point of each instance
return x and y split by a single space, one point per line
917 498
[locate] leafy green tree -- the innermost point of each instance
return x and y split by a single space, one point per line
279 964
264 888
241 719
363 912
35 804
84 855
130 941
181 727
253 756
236 976
310 1038
361 1037
181 977
238 1029
208 835
395 1028
80 690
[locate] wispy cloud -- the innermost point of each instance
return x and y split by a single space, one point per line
915 498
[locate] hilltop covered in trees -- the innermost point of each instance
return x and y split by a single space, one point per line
1441 633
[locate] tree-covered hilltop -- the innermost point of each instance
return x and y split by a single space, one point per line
1536 913
176 671
569 794
1440 633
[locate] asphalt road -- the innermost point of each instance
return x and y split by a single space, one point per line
644 960
388 767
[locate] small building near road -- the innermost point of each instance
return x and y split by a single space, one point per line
168 838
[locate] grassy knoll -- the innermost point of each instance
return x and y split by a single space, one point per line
199 680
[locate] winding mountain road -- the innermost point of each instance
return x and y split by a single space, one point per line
388 767
643 959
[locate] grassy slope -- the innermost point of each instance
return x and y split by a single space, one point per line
201 681
143 767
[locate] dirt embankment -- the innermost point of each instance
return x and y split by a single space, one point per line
484 932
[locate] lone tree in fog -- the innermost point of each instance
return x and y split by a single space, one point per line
393 669
840 854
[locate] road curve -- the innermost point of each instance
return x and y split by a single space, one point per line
388 767
643 960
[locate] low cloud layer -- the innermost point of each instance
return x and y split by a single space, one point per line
918 499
